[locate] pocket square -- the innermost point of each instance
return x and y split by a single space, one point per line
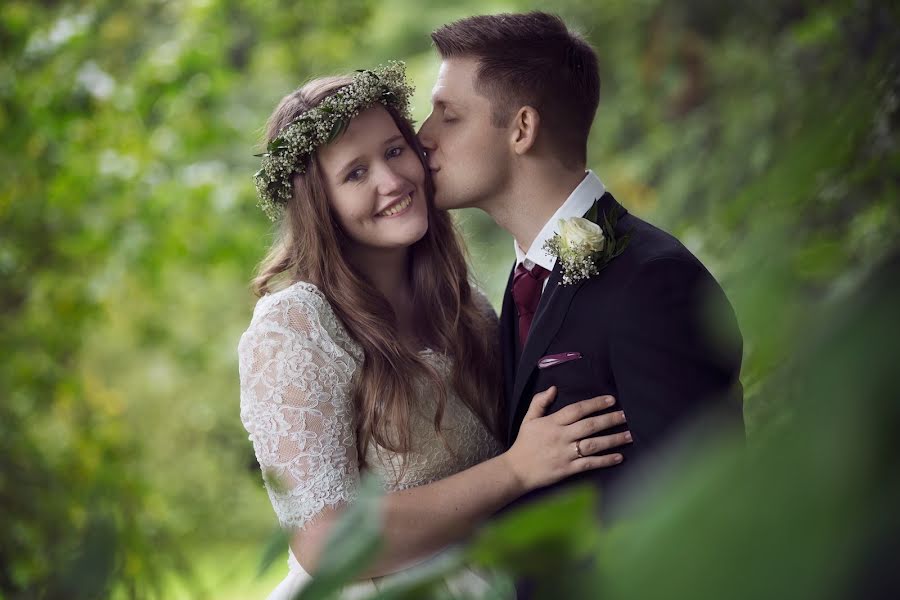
551 360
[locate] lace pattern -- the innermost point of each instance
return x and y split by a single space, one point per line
297 367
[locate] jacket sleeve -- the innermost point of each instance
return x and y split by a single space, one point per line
675 349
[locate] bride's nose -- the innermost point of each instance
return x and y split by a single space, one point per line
390 182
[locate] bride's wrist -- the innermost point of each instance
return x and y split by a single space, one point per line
518 481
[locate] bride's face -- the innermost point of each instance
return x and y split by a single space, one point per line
376 183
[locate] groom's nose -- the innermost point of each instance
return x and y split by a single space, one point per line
426 136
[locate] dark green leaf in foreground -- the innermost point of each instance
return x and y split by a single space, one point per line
351 545
555 540
275 550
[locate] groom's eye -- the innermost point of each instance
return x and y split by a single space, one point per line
394 152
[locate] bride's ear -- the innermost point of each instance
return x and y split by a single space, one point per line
524 129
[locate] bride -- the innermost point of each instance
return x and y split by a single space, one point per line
369 350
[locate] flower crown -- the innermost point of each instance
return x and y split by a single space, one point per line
288 153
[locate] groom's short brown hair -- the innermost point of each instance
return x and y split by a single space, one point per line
531 59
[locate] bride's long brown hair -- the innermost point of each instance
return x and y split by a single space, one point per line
309 247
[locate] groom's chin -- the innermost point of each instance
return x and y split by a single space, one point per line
442 202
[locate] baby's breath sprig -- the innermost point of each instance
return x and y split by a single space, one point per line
289 153
577 261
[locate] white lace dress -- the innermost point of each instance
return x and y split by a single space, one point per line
297 370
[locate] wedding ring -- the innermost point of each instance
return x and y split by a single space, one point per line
578 449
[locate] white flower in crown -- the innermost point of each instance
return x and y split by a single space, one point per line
584 247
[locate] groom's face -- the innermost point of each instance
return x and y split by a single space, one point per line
467 154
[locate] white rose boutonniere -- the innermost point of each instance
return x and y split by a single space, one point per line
582 233
584 247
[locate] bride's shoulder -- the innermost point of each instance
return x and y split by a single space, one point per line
483 303
301 309
298 304
300 294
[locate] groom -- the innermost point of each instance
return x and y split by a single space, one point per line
513 104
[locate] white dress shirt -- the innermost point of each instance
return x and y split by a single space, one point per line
579 201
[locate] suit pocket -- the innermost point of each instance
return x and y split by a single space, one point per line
572 378
552 360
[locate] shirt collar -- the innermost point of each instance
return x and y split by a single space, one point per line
576 205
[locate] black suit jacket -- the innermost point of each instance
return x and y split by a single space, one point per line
654 329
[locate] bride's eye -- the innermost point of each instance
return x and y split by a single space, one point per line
355 174
394 152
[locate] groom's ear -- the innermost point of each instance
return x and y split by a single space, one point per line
524 129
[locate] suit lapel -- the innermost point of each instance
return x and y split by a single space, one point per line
550 314
509 344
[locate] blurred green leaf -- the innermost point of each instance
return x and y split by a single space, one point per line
351 545
555 542
275 549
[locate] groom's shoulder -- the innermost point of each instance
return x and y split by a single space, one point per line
649 243
655 266
653 262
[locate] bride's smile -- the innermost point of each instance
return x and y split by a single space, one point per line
398 207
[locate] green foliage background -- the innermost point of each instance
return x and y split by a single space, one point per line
764 135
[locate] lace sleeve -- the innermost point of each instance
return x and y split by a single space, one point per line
296 404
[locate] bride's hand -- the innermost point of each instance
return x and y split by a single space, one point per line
547 447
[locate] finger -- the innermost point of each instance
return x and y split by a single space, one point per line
590 425
540 403
604 442
588 463
579 410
